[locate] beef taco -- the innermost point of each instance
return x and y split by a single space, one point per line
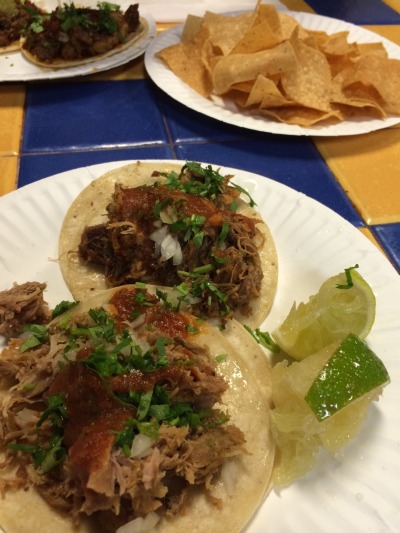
173 226
15 15
72 36
127 410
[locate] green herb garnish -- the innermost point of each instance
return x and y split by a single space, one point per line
349 279
264 338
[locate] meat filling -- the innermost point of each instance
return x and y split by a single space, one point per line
96 386
14 17
72 34
21 305
206 237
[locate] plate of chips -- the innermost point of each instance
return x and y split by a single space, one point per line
283 72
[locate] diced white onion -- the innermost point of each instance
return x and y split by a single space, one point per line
140 525
141 446
26 416
168 217
229 475
168 245
138 321
159 234
178 255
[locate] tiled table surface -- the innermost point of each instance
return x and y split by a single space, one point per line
47 128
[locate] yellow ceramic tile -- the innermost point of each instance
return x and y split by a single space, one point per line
12 100
370 236
394 4
368 168
162 26
134 70
297 5
8 174
391 31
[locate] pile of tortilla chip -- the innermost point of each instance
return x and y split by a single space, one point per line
268 64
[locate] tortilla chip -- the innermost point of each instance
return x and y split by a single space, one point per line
302 116
186 61
268 12
260 37
226 31
356 97
371 48
192 26
373 71
289 25
237 68
309 84
337 44
265 93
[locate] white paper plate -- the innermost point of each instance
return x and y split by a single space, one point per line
178 10
15 67
355 492
225 111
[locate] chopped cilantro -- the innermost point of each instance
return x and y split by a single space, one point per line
46 457
204 182
223 234
38 335
264 338
349 279
191 329
62 307
161 353
252 203
144 405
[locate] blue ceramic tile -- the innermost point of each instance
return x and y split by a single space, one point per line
69 116
357 11
292 161
186 125
388 236
36 167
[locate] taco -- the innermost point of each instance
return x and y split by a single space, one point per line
71 36
127 410
15 15
168 225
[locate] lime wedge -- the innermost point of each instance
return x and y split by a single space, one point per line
344 304
321 402
352 371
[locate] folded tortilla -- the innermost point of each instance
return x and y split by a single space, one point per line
89 208
247 371
131 39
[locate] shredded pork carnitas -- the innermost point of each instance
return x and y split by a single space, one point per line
20 305
182 231
96 387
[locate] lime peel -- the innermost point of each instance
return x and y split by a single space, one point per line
352 371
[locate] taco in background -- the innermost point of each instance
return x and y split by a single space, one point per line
168 225
127 409
15 15
72 36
